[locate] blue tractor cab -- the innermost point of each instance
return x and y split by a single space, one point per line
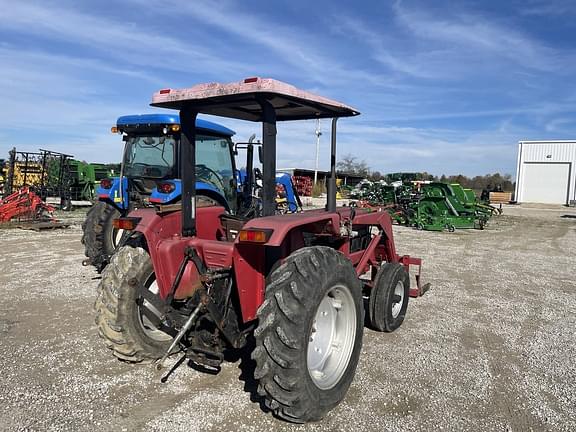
149 176
150 157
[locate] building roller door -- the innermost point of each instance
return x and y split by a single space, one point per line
546 183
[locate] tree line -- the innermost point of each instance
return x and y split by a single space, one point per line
351 165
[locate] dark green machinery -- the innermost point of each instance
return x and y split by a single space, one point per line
431 206
84 178
471 199
449 206
376 193
77 180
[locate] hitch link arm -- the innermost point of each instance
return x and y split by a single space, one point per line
185 328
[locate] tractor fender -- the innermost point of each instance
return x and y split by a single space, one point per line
253 262
281 225
319 222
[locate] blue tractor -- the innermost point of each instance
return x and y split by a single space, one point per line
150 176
151 159
250 182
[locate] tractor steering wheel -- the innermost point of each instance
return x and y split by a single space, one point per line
207 173
257 174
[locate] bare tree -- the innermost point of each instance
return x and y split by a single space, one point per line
351 165
375 176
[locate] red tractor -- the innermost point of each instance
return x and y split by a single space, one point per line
200 281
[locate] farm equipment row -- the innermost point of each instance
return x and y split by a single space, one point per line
52 174
431 206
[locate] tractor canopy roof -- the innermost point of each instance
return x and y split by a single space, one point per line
240 100
131 123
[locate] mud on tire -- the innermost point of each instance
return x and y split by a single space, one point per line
118 316
303 371
98 235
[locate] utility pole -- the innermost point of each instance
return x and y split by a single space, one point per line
318 134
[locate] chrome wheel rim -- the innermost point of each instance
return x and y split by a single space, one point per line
147 326
398 299
332 337
117 236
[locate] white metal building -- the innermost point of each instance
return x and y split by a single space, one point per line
546 172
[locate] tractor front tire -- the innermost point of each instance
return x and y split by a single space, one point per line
389 297
100 238
309 334
119 317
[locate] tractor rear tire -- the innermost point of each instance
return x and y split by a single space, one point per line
125 330
389 297
85 222
309 335
100 238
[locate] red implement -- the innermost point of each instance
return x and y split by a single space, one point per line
24 205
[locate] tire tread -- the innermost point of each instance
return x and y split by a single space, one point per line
280 334
113 313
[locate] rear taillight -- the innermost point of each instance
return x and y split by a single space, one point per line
251 80
127 223
166 187
106 183
254 235
164 91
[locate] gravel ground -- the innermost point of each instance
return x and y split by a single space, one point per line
490 347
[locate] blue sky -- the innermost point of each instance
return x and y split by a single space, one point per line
443 86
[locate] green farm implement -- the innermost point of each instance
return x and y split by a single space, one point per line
449 206
374 193
84 178
431 206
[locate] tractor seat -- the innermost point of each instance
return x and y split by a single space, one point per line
232 225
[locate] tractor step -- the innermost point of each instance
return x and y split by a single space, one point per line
206 360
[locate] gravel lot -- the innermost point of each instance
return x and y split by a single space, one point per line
490 347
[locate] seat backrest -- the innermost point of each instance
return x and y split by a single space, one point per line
231 225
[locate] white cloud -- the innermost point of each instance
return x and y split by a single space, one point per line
482 36
560 125
55 93
113 38
547 8
297 51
